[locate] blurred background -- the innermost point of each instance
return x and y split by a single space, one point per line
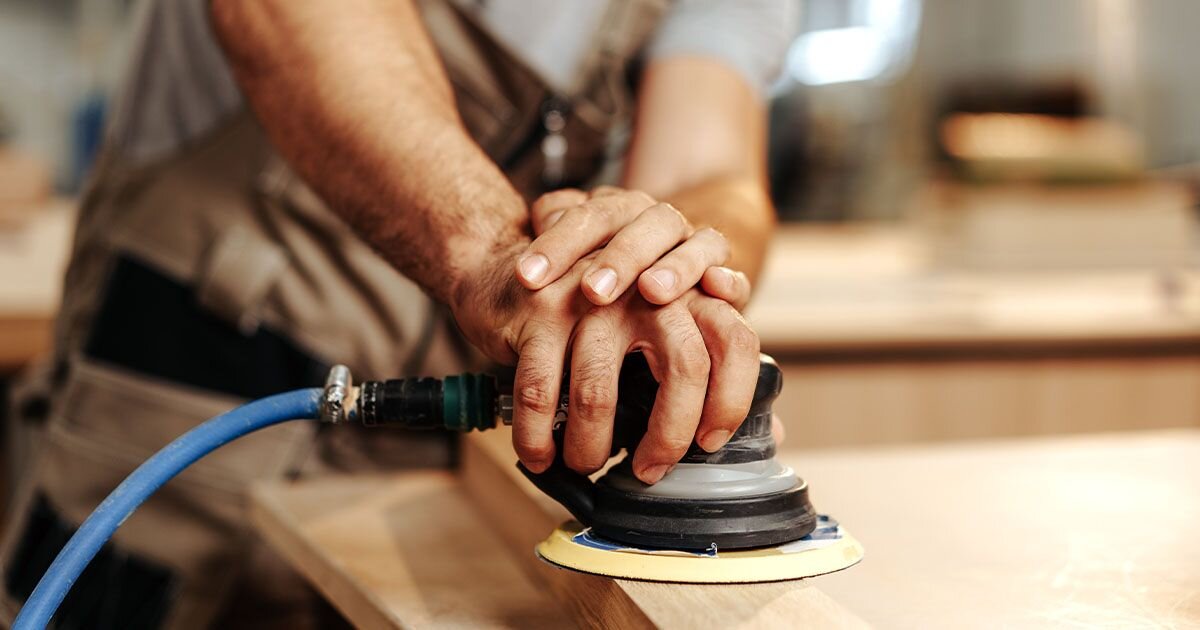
989 209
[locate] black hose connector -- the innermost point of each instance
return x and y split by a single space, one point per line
410 403
463 402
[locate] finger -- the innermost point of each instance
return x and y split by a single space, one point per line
727 284
680 361
580 230
682 268
535 396
596 357
549 207
655 231
733 349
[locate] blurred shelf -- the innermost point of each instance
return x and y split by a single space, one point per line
33 258
876 289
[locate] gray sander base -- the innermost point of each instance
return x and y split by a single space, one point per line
713 481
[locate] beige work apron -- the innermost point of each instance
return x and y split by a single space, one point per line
228 218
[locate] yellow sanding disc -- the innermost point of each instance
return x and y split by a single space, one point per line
829 548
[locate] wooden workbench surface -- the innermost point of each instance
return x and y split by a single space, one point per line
1079 532
402 551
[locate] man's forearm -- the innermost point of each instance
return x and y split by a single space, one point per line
355 98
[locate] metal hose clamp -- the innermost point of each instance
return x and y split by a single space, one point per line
333 407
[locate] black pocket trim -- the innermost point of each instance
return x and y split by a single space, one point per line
152 324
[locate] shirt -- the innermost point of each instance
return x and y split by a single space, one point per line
179 86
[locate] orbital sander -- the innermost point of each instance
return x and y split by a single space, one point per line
733 515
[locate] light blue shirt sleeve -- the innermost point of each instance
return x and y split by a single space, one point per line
751 36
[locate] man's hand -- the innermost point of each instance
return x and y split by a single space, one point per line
644 241
699 348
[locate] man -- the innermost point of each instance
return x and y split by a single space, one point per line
289 184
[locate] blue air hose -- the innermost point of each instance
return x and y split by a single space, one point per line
302 404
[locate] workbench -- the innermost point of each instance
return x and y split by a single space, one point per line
1080 531
33 258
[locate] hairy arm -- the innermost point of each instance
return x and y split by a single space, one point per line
354 97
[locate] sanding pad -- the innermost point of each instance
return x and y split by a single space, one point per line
827 549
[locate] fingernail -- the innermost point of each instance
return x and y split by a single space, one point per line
553 218
533 267
665 278
714 440
603 281
652 474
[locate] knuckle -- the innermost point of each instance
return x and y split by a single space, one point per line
672 444
535 391
619 251
689 358
739 337
639 199
593 390
595 398
673 216
582 218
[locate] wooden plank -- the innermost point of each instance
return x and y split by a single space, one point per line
1075 532
400 551
523 516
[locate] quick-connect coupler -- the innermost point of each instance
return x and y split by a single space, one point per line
463 402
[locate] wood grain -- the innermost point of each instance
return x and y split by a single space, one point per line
400 551
1071 532
523 516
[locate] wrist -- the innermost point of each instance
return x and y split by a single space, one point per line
484 296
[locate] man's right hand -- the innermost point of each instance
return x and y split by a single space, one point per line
699 348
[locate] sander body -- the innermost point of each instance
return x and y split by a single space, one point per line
733 515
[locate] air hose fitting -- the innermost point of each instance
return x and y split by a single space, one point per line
462 402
